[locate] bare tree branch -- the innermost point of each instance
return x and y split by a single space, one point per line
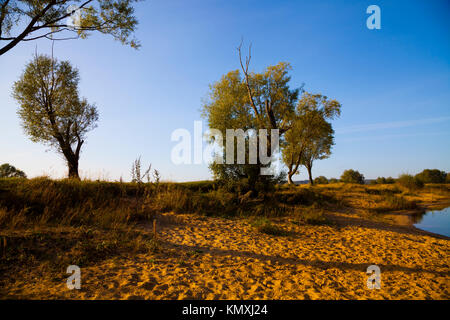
246 76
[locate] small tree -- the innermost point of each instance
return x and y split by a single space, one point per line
410 182
432 176
9 171
352 176
311 136
321 180
52 111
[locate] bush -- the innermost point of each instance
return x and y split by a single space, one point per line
410 182
432 176
383 180
352 176
447 179
264 225
321 180
333 180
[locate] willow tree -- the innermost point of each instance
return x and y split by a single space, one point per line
28 20
250 101
319 148
311 136
51 110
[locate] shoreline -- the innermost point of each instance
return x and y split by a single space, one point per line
423 208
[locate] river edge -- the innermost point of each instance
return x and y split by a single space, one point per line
406 218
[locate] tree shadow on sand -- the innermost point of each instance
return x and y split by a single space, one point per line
319 264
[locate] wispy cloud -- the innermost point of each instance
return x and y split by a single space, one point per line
389 125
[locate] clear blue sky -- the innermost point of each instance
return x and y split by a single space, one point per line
393 83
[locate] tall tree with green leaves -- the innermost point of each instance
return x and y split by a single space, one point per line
319 148
311 136
249 101
28 20
51 110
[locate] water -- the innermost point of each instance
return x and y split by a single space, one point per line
436 221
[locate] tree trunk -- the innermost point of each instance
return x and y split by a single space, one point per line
290 174
73 168
311 182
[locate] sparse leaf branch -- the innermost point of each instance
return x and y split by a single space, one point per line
113 17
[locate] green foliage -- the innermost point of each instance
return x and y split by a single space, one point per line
51 110
383 180
432 176
352 176
45 18
333 180
321 180
310 137
255 101
9 171
410 182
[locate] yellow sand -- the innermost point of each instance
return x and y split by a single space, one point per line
215 258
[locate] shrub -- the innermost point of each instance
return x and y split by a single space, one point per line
333 180
410 182
264 225
390 180
352 176
383 180
321 180
432 176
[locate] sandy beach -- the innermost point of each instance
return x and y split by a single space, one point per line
218 258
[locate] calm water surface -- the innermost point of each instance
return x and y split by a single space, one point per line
436 221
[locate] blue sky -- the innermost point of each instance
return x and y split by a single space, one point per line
393 83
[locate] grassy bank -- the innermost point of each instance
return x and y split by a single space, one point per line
108 205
